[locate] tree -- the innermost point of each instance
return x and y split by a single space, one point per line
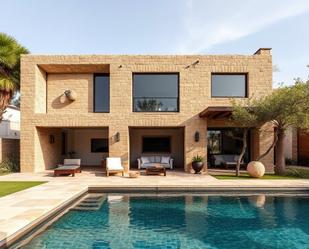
244 117
285 107
148 105
10 51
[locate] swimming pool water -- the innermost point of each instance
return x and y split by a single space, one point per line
183 221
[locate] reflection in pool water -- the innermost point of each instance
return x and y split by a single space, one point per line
183 221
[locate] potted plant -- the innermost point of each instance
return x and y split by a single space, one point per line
197 164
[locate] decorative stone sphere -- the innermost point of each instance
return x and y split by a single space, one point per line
257 200
256 169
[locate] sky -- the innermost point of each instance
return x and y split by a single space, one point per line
165 27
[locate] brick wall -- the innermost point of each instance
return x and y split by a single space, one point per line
195 96
9 149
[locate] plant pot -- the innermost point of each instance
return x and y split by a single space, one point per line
197 167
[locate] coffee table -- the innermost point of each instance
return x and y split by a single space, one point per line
156 170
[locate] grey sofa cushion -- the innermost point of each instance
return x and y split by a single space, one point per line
146 165
145 159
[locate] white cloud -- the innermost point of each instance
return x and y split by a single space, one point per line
208 23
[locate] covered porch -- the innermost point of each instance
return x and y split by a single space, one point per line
154 143
224 140
90 144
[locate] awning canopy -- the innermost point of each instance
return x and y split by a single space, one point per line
216 112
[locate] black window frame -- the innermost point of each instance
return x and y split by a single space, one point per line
157 73
94 88
246 85
91 147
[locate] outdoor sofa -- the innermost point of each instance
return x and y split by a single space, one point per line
151 161
226 160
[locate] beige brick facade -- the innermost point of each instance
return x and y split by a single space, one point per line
44 79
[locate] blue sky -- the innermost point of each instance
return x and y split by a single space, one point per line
165 27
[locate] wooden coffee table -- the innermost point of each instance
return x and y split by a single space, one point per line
156 170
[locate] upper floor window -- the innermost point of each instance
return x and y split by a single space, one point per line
155 92
229 85
101 93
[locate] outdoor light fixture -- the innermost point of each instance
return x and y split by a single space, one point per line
117 137
197 136
51 139
193 64
70 94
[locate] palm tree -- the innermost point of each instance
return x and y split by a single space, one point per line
10 51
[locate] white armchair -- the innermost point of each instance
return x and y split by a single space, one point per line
113 165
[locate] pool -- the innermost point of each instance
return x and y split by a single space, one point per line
157 221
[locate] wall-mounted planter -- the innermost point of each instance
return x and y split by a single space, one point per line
70 94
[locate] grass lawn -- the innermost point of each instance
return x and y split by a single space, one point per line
290 174
8 187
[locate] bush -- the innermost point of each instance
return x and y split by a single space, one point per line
290 161
197 158
9 165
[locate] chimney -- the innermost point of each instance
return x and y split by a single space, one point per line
263 51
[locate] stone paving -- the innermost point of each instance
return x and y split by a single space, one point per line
21 210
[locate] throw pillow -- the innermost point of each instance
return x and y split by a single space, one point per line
165 159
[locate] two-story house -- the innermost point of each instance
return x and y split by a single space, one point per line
94 106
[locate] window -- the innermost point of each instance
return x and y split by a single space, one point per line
99 145
226 142
229 85
101 93
156 144
155 92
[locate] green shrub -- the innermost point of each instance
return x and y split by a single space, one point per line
197 158
9 165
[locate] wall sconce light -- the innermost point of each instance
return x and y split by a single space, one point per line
51 139
70 94
197 136
117 137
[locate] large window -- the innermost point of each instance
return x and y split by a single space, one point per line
155 92
229 85
101 93
156 144
99 145
226 142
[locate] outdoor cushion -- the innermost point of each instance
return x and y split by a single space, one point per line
165 159
157 159
150 164
72 161
165 165
145 159
152 159
63 167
